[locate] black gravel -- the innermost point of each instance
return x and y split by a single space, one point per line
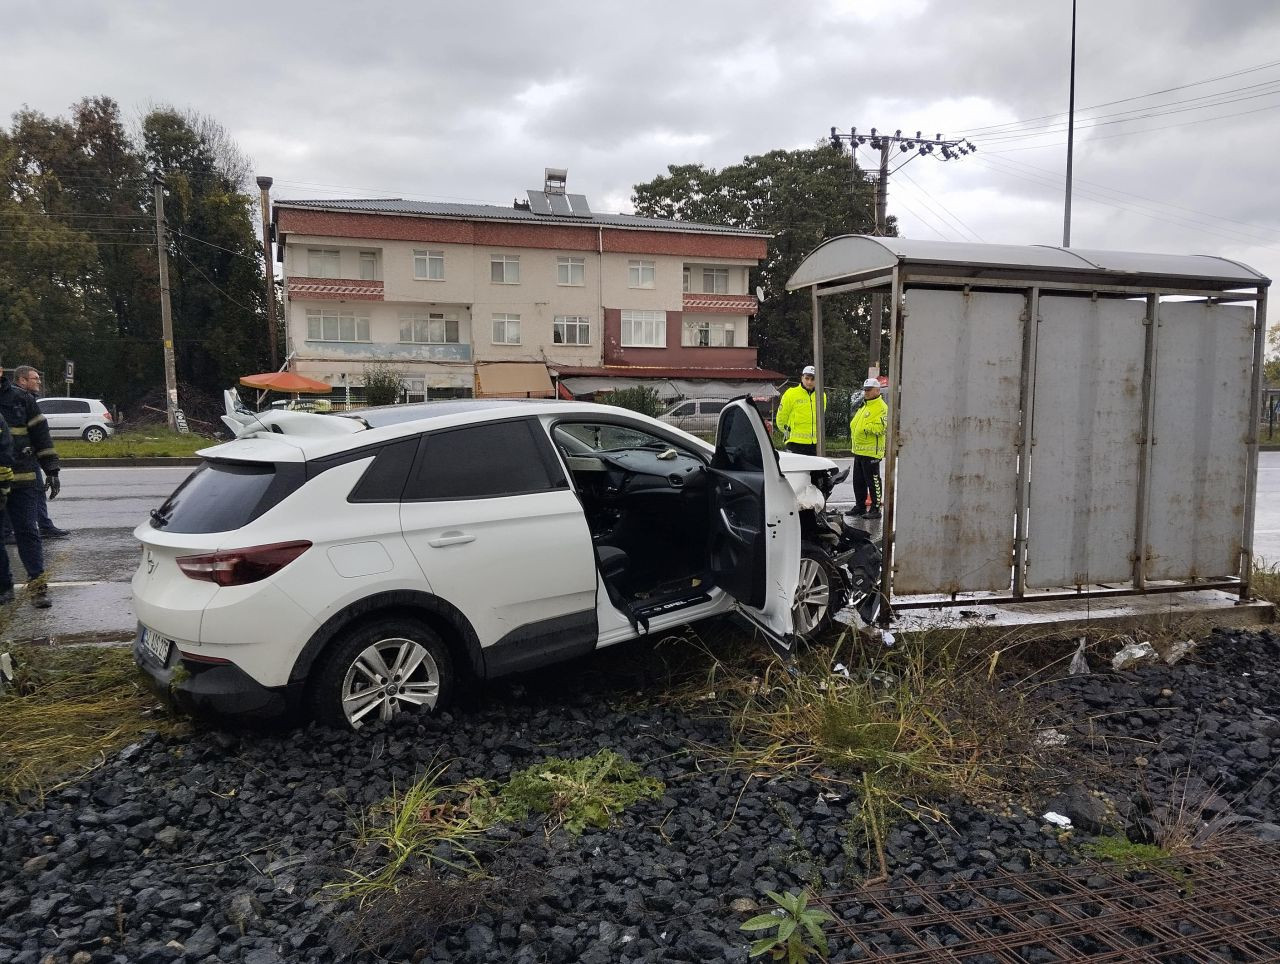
217 848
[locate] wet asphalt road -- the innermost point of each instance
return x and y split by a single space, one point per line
90 571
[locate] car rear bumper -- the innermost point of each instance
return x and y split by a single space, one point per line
220 689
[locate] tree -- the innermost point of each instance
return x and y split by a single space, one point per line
801 198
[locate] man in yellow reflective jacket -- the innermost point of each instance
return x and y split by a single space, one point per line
866 431
798 415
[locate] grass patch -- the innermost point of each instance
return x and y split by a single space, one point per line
134 445
1122 850
1265 581
575 794
67 711
432 826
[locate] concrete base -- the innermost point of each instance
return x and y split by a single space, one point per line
1182 613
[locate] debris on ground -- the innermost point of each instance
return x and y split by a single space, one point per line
1133 654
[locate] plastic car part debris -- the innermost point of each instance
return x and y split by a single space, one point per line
1131 654
887 638
6 671
1178 650
1079 665
1050 738
1057 819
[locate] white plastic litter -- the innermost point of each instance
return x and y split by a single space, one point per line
1051 737
1178 650
1057 819
1079 665
6 671
1131 654
840 670
887 637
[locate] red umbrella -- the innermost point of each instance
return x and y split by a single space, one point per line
286 382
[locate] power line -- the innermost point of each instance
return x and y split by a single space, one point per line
192 237
1125 100
943 209
213 284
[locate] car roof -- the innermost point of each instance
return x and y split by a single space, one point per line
383 415
70 398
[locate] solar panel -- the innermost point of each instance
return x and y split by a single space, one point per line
560 205
538 202
579 204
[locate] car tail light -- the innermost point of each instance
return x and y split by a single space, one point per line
238 567
106 416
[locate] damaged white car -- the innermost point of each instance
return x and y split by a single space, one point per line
367 564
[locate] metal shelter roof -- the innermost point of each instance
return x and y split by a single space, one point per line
854 258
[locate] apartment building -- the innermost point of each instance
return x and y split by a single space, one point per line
544 297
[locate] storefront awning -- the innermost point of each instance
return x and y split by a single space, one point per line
513 380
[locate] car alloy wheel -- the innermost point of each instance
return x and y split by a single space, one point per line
389 676
813 596
94 434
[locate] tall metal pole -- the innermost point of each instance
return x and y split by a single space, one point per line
166 311
1071 132
877 299
264 185
819 384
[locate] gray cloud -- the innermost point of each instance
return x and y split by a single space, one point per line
470 101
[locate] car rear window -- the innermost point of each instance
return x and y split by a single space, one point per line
222 496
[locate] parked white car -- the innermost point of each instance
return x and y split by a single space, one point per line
368 563
86 418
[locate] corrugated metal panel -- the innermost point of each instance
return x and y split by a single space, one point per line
1204 354
956 470
1171 265
1085 455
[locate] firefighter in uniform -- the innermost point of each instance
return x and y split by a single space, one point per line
6 480
798 414
866 432
32 446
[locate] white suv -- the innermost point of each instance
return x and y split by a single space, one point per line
368 563
85 418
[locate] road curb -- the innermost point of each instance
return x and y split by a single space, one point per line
124 461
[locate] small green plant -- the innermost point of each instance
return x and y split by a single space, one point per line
793 920
1122 850
381 384
575 794
639 399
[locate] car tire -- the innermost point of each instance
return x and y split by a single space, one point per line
95 433
357 680
820 592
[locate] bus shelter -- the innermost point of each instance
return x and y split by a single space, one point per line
1063 422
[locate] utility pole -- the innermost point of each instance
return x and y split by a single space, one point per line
948 149
166 312
1071 132
264 185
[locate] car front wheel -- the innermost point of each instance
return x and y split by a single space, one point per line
380 670
95 433
820 592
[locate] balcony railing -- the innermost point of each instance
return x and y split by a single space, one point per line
700 303
335 289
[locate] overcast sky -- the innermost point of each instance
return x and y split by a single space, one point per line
470 101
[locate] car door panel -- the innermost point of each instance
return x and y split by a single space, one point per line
755 544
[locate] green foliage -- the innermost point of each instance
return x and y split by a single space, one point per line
575 793
1122 850
381 384
794 924
800 197
639 399
160 443
78 263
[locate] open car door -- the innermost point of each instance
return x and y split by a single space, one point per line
755 524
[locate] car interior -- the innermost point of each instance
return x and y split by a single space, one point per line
648 506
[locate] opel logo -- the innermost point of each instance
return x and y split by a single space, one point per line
151 562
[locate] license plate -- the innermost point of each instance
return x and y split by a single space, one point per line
155 644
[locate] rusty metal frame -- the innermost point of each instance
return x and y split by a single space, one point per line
1251 476
1026 435
1098 591
1149 360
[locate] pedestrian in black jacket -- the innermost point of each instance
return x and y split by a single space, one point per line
31 382
33 448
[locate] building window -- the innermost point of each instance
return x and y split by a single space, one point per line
572 330
504 269
686 279
324 263
336 324
428 265
644 329
571 271
708 334
429 328
506 329
640 273
715 281
368 266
